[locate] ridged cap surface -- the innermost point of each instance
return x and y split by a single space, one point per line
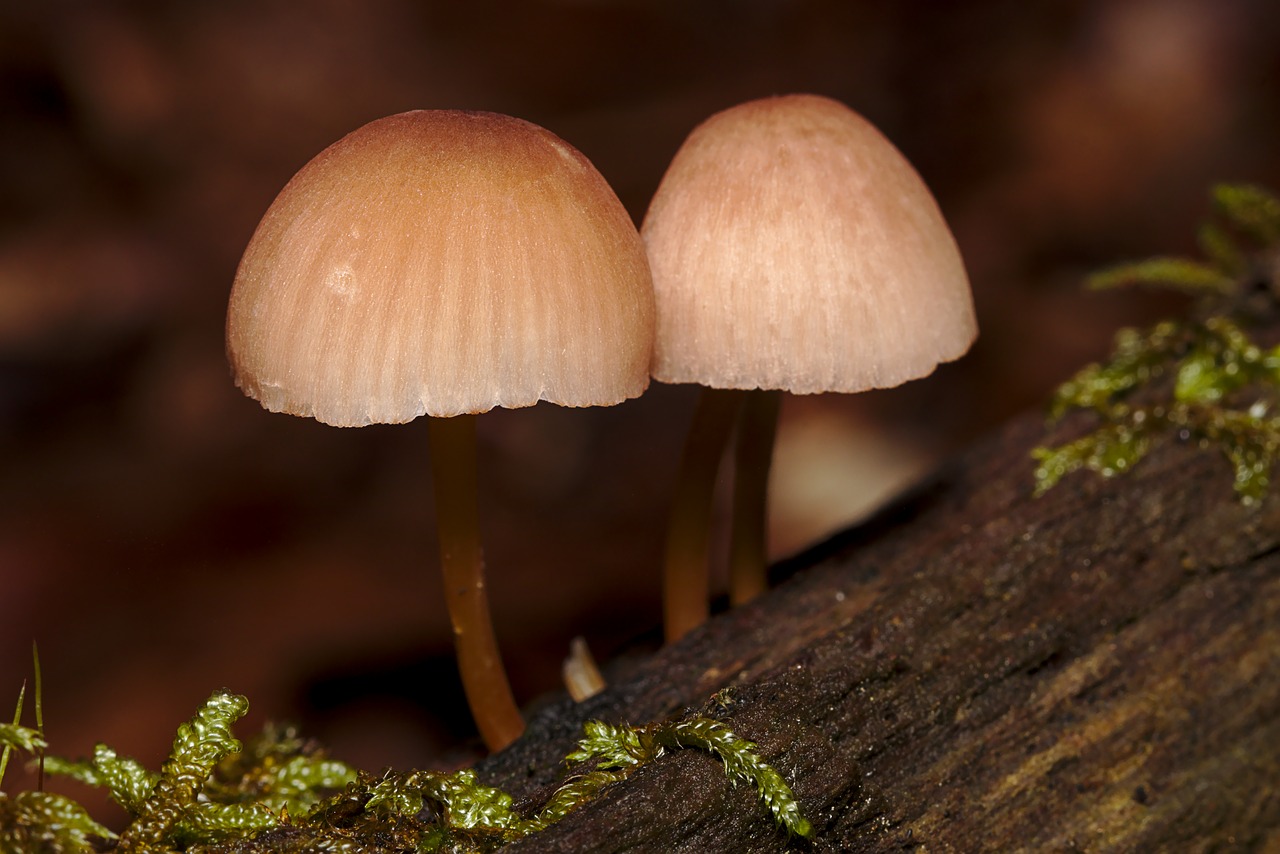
440 263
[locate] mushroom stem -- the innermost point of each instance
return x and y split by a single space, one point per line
748 554
685 582
453 463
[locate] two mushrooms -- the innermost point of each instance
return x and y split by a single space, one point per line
442 263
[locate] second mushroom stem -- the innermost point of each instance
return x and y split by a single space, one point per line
753 455
686 585
686 578
453 463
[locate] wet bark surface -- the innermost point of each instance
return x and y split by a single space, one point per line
974 669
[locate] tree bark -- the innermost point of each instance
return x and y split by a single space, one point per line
974 669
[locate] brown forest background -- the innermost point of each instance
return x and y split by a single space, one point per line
162 536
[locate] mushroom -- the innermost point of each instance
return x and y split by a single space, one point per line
792 248
581 674
443 263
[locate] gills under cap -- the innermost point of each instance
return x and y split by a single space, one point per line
793 247
442 262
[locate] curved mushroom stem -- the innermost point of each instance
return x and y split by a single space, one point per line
685 581
757 428
453 463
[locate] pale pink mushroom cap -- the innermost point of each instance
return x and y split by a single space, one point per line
440 263
793 247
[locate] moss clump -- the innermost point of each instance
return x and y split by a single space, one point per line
431 811
40 821
279 793
1203 379
209 788
617 751
45 822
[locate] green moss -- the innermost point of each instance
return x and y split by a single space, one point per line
1201 379
15 736
622 749
432 811
48 823
183 802
40 821
279 792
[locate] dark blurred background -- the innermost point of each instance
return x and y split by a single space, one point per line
162 536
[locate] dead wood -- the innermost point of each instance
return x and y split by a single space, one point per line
975 669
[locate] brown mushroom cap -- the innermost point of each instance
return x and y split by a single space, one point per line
793 247
440 263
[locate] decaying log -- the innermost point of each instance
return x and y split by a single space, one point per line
975 669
